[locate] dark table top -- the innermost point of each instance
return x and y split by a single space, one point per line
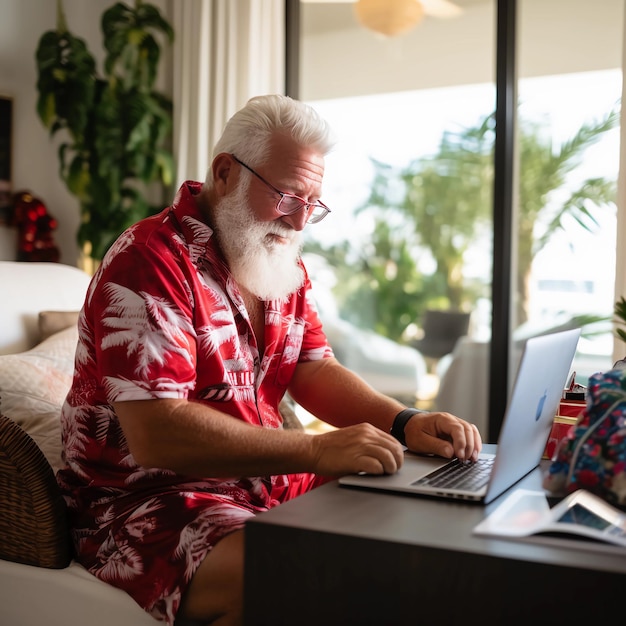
423 521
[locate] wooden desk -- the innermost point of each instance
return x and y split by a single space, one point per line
347 557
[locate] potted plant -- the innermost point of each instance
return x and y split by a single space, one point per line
116 128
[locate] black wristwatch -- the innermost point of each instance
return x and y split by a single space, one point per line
400 421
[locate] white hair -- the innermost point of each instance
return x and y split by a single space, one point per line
249 131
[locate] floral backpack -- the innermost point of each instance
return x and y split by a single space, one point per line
593 454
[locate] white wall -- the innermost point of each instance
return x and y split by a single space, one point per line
35 162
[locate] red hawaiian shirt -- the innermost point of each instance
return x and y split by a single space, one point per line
163 318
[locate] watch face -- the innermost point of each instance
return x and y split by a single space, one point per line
578 514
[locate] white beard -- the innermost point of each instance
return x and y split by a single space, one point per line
267 269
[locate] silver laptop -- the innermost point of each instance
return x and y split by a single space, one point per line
541 377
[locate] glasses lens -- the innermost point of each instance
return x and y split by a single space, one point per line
318 213
289 204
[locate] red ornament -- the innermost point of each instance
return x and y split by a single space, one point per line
34 229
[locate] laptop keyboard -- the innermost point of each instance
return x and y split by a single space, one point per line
459 475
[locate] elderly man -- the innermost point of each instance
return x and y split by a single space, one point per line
197 322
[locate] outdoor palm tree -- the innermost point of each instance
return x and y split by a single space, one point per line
544 169
436 208
447 204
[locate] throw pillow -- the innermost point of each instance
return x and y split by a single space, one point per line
51 322
33 386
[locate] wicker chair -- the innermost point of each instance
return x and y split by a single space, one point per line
33 520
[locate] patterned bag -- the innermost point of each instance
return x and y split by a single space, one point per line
593 454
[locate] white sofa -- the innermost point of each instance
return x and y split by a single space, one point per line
34 378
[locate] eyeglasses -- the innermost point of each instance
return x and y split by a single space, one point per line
289 203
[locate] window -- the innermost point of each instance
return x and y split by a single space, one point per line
417 101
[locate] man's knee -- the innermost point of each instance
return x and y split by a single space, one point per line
215 592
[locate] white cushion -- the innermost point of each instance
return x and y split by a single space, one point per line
28 288
36 596
33 386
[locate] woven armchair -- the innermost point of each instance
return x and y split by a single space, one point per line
33 519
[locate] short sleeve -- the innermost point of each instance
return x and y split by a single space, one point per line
142 316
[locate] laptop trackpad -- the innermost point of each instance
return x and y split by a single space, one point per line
414 467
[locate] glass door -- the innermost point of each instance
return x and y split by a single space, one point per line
411 187
570 85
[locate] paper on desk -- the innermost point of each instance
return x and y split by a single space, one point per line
525 513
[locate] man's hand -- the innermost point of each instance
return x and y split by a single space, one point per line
443 434
354 449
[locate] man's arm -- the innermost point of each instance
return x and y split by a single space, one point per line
339 397
193 439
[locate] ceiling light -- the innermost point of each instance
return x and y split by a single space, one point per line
389 17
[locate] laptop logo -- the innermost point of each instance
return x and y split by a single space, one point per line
540 404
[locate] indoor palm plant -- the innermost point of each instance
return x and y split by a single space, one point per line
116 128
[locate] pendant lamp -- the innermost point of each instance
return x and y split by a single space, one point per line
389 17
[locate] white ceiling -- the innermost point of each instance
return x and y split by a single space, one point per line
340 58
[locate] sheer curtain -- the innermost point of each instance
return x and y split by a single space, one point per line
225 52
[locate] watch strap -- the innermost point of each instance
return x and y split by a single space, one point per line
400 422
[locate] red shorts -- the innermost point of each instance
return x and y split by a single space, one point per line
151 550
